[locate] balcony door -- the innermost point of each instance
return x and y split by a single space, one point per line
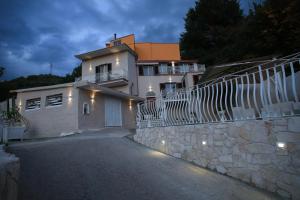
103 72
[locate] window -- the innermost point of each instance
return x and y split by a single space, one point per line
148 70
103 72
33 104
86 109
54 100
169 88
184 68
163 69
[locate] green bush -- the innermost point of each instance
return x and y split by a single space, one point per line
11 116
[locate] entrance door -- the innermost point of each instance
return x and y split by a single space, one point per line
113 113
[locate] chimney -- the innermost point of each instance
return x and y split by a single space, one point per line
115 36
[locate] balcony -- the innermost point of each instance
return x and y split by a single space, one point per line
164 69
113 78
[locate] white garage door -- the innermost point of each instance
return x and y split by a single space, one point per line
113 114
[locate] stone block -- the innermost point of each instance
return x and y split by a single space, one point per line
288 137
221 169
294 124
260 148
296 159
262 159
225 158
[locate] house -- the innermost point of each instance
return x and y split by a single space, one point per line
114 79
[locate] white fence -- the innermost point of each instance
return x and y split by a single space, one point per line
266 91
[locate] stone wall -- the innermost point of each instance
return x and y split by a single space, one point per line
9 175
246 150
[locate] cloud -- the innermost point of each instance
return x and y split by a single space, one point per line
35 33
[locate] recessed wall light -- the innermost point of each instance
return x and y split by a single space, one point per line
281 145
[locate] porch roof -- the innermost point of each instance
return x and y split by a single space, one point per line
104 90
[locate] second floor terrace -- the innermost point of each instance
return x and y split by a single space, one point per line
108 78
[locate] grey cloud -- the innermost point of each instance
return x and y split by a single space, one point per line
34 33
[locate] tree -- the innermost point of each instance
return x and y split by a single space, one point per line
75 74
217 32
273 27
2 69
210 30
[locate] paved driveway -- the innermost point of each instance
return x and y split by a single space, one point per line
105 165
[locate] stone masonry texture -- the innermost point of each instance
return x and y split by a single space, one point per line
246 150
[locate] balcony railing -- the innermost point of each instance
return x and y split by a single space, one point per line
268 90
180 69
105 77
112 75
113 78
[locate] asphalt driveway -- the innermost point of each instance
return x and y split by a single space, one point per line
106 165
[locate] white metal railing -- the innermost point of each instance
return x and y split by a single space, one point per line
105 76
265 91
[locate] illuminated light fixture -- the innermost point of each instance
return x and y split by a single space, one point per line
281 145
170 79
117 61
204 142
150 88
70 96
173 64
163 142
130 105
90 68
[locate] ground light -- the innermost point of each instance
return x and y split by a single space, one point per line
281 145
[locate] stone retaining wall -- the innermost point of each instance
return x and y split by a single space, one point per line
246 150
9 175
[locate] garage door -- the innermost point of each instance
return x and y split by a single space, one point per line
113 114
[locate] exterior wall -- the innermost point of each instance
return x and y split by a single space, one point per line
157 51
50 121
95 119
154 81
246 150
132 76
119 61
129 114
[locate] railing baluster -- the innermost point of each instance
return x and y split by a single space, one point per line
254 94
212 106
226 97
284 83
269 87
221 102
294 82
207 103
203 104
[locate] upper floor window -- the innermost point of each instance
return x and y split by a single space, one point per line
147 70
103 72
54 100
169 88
183 68
164 69
33 104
